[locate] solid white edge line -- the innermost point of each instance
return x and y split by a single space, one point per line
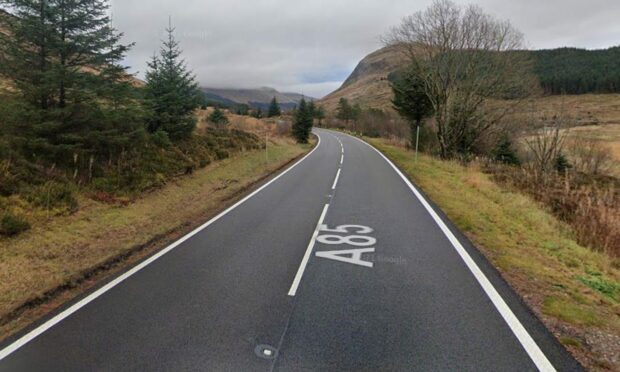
75 307
336 180
528 343
304 262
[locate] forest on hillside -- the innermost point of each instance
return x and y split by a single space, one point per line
578 71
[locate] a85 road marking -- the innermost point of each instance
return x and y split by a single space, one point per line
352 235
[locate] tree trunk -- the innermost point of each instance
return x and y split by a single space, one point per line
43 53
63 58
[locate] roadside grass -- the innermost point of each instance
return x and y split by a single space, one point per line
58 251
574 290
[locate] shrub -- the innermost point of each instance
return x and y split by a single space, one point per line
562 164
590 156
9 184
53 195
591 206
218 118
11 224
161 139
505 153
222 154
204 162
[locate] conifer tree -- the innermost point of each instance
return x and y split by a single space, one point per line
171 91
320 115
343 111
63 57
312 109
410 99
505 153
302 125
274 108
218 118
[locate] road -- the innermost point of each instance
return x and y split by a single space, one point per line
337 264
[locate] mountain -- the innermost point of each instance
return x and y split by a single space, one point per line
258 98
560 71
368 84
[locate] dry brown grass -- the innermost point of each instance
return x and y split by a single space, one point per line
273 127
59 250
585 109
606 136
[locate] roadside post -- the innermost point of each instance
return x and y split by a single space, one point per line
417 143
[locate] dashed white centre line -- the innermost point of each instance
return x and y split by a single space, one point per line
304 262
336 180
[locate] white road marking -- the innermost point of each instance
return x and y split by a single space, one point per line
342 256
77 306
336 180
304 262
339 141
342 159
528 343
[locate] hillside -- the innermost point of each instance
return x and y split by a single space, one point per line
260 97
367 84
578 71
560 71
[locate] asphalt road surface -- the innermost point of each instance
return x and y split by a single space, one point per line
337 264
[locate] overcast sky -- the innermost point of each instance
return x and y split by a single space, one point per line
311 46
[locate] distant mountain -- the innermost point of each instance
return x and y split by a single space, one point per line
258 98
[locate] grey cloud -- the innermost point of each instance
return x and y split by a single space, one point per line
311 45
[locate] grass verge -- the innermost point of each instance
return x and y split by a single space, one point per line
57 259
574 290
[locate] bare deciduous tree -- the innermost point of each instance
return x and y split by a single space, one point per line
546 145
466 59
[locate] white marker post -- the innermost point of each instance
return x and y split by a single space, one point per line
417 143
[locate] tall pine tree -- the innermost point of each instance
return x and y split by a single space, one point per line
274 108
312 109
63 57
172 93
302 125
319 114
344 111
410 99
